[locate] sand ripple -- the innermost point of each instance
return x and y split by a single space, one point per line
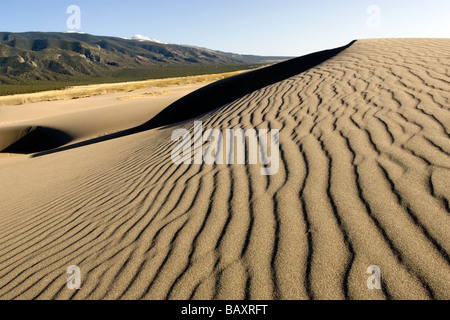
364 180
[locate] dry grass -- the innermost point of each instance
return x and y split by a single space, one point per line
99 89
145 95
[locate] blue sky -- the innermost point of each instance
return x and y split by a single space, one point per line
263 27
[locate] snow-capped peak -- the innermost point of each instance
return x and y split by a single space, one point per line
142 38
74 31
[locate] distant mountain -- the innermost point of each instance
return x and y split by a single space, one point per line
48 56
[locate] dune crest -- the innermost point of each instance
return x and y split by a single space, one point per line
363 181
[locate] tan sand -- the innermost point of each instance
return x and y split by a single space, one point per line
92 116
11 134
364 180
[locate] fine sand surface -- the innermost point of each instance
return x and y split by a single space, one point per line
364 180
90 117
11 134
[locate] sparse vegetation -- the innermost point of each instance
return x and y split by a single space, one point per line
77 92
124 75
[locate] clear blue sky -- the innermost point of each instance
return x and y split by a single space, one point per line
263 27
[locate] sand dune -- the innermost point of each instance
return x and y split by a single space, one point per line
11 134
363 180
73 121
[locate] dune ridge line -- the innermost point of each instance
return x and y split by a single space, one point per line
363 181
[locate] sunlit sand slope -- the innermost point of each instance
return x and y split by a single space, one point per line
364 180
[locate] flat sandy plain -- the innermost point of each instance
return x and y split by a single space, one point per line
364 180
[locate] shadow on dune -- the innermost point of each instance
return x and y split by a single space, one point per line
227 90
218 94
10 135
38 140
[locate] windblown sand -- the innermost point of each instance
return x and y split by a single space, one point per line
364 180
93 116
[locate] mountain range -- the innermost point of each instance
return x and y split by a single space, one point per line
52 56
